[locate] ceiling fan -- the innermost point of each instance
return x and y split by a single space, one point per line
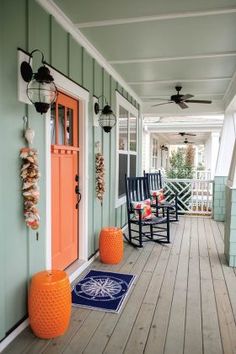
183 134
182 99
188 142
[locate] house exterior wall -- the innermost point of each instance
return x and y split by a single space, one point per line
26 25
219 198
230 226
227 140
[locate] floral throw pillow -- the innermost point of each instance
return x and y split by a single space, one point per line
159 194
145 206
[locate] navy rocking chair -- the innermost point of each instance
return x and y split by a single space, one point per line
154 228
155 183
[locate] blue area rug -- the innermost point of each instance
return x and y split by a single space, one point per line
102 290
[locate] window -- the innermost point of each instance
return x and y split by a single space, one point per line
126 144
154 161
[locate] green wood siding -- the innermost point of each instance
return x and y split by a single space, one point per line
21 254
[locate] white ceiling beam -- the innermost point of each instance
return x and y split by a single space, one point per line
66 23
179 81
186 127
230 91
163 59
152 98
163 17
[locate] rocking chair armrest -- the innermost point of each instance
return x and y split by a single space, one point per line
157 205
139 210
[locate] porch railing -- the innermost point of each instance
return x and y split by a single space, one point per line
194 196
202 174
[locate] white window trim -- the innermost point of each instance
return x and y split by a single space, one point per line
72 89
121 101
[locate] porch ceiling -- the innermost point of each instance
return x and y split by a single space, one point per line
175 139
155 44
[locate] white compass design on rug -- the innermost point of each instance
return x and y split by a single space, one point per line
101 288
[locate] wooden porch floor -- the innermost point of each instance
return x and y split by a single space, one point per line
183 301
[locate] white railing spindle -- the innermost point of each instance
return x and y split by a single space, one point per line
194 195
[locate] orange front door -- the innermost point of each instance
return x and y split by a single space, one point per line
64 180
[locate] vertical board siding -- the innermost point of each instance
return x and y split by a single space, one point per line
21 254
40 39
97 138
2 236
13 264
75 61
112 195
88 84
59 48
106 154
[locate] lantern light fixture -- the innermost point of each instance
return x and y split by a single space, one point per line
107 119
164 147
41 89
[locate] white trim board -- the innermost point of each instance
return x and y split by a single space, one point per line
24 324
121 101
69 87
163 17
72 89
72 276
67 24
151 82
150 97
163 59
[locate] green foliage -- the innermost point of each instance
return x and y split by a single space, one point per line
181 163
200 167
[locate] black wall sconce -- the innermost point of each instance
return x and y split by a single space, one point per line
107 119
41 90
164 148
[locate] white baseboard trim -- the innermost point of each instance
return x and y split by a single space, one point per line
13 335
23 325
81 268
72 276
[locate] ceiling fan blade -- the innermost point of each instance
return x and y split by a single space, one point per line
160 104
182 105
160 99
190 134
183 134
186 97
199 101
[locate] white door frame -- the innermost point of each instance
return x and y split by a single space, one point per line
75 91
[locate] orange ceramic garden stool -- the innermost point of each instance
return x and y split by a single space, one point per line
49 303
111 245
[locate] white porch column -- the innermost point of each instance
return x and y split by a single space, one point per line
230 215
227 139
211 151
146 150
223 164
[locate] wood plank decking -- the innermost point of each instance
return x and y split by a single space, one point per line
183 301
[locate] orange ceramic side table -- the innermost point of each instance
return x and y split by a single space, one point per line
111 245
49 303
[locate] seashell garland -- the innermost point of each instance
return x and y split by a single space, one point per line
100 172
30 190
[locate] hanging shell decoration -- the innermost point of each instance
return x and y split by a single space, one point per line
30 190
100 181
